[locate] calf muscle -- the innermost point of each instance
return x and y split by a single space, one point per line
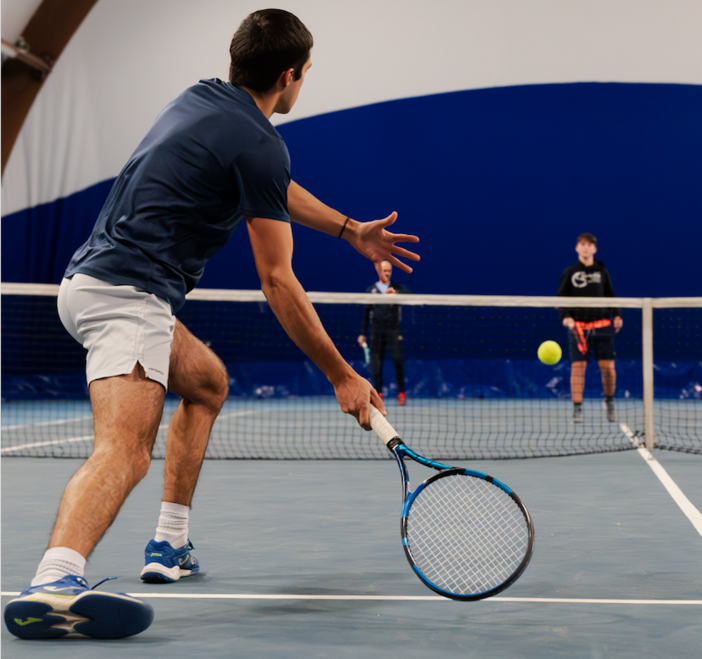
127 411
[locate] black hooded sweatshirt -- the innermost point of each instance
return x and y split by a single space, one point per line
580 280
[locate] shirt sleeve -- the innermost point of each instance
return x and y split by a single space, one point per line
564 289
608 291
264 176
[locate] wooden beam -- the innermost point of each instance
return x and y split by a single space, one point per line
47 34
42 67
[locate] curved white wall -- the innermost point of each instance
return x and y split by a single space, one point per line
130 57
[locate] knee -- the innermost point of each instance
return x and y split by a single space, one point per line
132 462
214 394
140 463
220 390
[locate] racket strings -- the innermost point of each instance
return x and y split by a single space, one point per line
480 568
466 535
470 563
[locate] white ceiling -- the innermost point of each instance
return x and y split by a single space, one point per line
15 16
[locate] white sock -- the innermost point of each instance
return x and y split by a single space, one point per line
173 524
57 563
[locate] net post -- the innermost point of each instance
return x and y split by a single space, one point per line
648 399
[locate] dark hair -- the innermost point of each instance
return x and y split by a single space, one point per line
267 43
587 238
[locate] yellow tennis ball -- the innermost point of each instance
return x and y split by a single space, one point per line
549 352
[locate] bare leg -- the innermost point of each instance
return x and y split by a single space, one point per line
199 377
609 376
577 381
127 410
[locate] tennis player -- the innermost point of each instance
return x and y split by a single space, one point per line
385 331
590 330
211 159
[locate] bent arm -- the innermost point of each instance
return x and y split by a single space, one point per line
369 238
609 292
271 241
306 209
564 289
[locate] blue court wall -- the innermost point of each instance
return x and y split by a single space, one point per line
497 183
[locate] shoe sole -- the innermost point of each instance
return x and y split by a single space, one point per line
158 573
93 614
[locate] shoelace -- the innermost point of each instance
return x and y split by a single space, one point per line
103 581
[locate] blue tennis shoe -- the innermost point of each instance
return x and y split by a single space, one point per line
166 565
69 606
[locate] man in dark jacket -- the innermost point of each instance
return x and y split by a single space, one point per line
590 329
385 331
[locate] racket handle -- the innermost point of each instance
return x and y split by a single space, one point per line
382 428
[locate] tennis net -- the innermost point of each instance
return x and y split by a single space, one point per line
475 389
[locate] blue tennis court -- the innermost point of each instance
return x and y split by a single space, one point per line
303 559
296 517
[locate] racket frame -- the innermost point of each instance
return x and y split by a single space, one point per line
400 451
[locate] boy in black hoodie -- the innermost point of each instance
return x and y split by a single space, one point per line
590 329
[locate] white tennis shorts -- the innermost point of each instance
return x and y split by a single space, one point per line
118 326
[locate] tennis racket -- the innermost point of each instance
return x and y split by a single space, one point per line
466 535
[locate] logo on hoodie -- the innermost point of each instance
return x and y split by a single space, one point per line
581 279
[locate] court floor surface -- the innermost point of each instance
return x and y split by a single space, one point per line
303 559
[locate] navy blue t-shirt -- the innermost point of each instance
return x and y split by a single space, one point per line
210 159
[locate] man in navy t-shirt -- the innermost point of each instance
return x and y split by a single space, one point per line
211 160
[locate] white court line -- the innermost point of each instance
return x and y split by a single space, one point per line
55 422
221 416
86 438
669 484
394 598
244 413
53 442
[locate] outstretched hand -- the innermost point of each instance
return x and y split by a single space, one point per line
375 243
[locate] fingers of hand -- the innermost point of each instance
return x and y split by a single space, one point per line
399 264
364 417
405 253
401 237
377 402
390 219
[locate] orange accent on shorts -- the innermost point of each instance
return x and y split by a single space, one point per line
581 327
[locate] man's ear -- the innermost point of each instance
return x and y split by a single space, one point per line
285 78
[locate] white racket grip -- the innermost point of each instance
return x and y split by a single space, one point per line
382 428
